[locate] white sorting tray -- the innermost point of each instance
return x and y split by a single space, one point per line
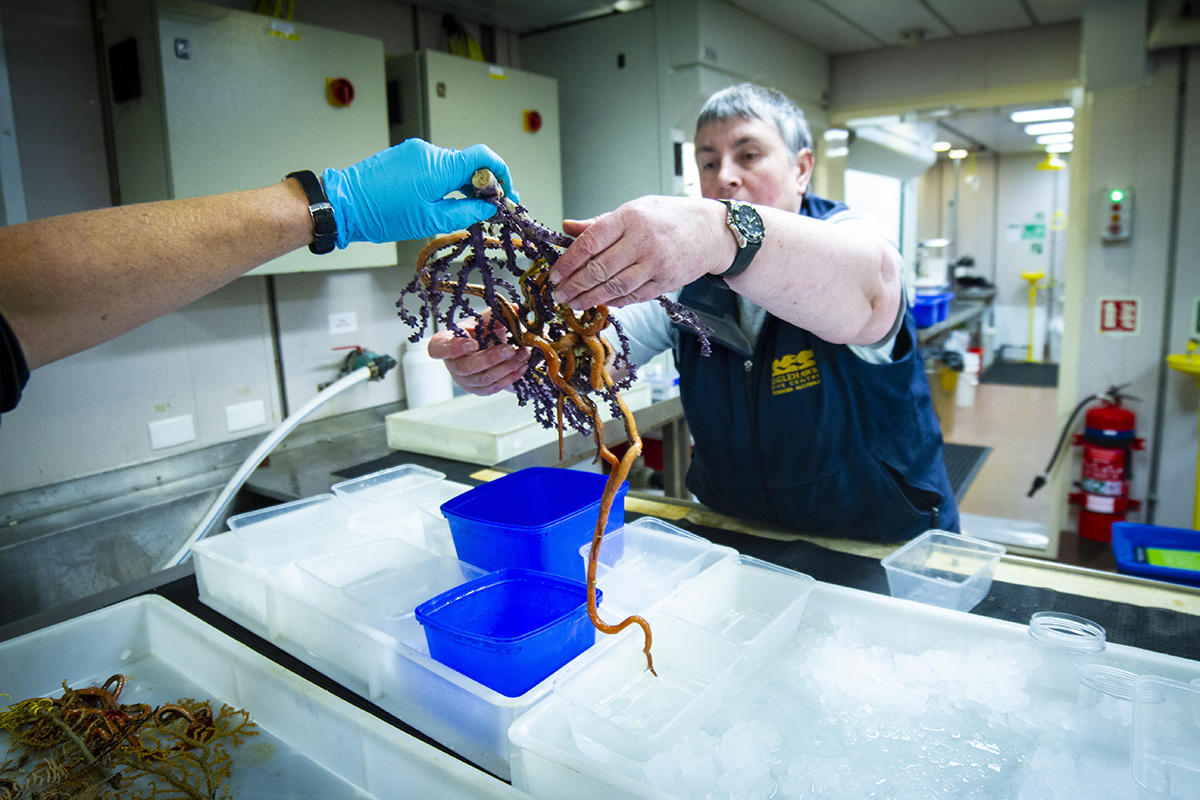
310 743
482 430
888 636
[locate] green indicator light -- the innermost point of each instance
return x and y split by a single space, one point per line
1117 195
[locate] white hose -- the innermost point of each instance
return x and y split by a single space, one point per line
261 452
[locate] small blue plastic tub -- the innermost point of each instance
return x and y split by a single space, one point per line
509 630
930 309
1137 547
534 518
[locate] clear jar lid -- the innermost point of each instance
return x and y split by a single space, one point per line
1116 683
1067 632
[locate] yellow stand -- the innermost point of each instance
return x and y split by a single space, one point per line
1033 278
1189 364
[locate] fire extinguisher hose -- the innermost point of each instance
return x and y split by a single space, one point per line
1040 480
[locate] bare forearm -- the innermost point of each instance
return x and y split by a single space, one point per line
70 282
838 281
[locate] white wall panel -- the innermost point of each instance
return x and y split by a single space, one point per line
1181 417
89 412
305 303
608 96
1132 144
962 64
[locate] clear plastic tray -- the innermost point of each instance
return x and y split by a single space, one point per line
378 493
943 569
756 604
644 561
388 600
616 702
278 535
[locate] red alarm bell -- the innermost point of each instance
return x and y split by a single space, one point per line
339 92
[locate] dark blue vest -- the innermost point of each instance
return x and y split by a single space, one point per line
805 435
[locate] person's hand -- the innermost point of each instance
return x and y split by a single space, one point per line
482 372
646 248
399 194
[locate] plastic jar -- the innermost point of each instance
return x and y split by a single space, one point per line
1065 642
1104 710
426 380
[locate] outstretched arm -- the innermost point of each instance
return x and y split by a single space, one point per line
71 282
841 282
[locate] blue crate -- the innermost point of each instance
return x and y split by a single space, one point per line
535 518
931 308
509 630
1128 536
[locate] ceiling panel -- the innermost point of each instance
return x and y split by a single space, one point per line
813 23
972 16
888 20
1050 11
831 26
523 16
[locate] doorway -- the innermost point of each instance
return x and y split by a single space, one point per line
994 210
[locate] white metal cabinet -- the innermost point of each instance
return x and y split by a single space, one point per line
232 100
456 102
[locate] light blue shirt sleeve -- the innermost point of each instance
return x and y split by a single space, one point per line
648 329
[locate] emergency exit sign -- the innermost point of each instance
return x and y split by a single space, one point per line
1119 315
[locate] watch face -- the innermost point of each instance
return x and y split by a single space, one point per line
749 222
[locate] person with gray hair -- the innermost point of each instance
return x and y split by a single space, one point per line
748 100
813 412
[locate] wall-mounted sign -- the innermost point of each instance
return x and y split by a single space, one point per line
1119 315
1037 231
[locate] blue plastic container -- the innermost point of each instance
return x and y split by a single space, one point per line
534 518
930 309
509 630
1129 537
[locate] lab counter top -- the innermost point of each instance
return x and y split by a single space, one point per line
960 311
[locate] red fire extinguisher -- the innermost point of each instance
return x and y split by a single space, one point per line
1108 439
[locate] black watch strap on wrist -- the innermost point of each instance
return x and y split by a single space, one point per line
747 227
324 224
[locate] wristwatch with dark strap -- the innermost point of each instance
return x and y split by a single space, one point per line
747 226
324 225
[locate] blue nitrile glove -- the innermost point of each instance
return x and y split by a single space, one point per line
398 194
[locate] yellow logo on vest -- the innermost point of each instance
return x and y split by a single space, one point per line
793 372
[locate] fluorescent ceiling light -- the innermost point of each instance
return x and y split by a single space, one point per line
1043 114
1060 148
941 147
1056 138
957 153
1037 129
935 243
837 152
837 135
873 122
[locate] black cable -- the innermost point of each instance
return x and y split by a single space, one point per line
1040 480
